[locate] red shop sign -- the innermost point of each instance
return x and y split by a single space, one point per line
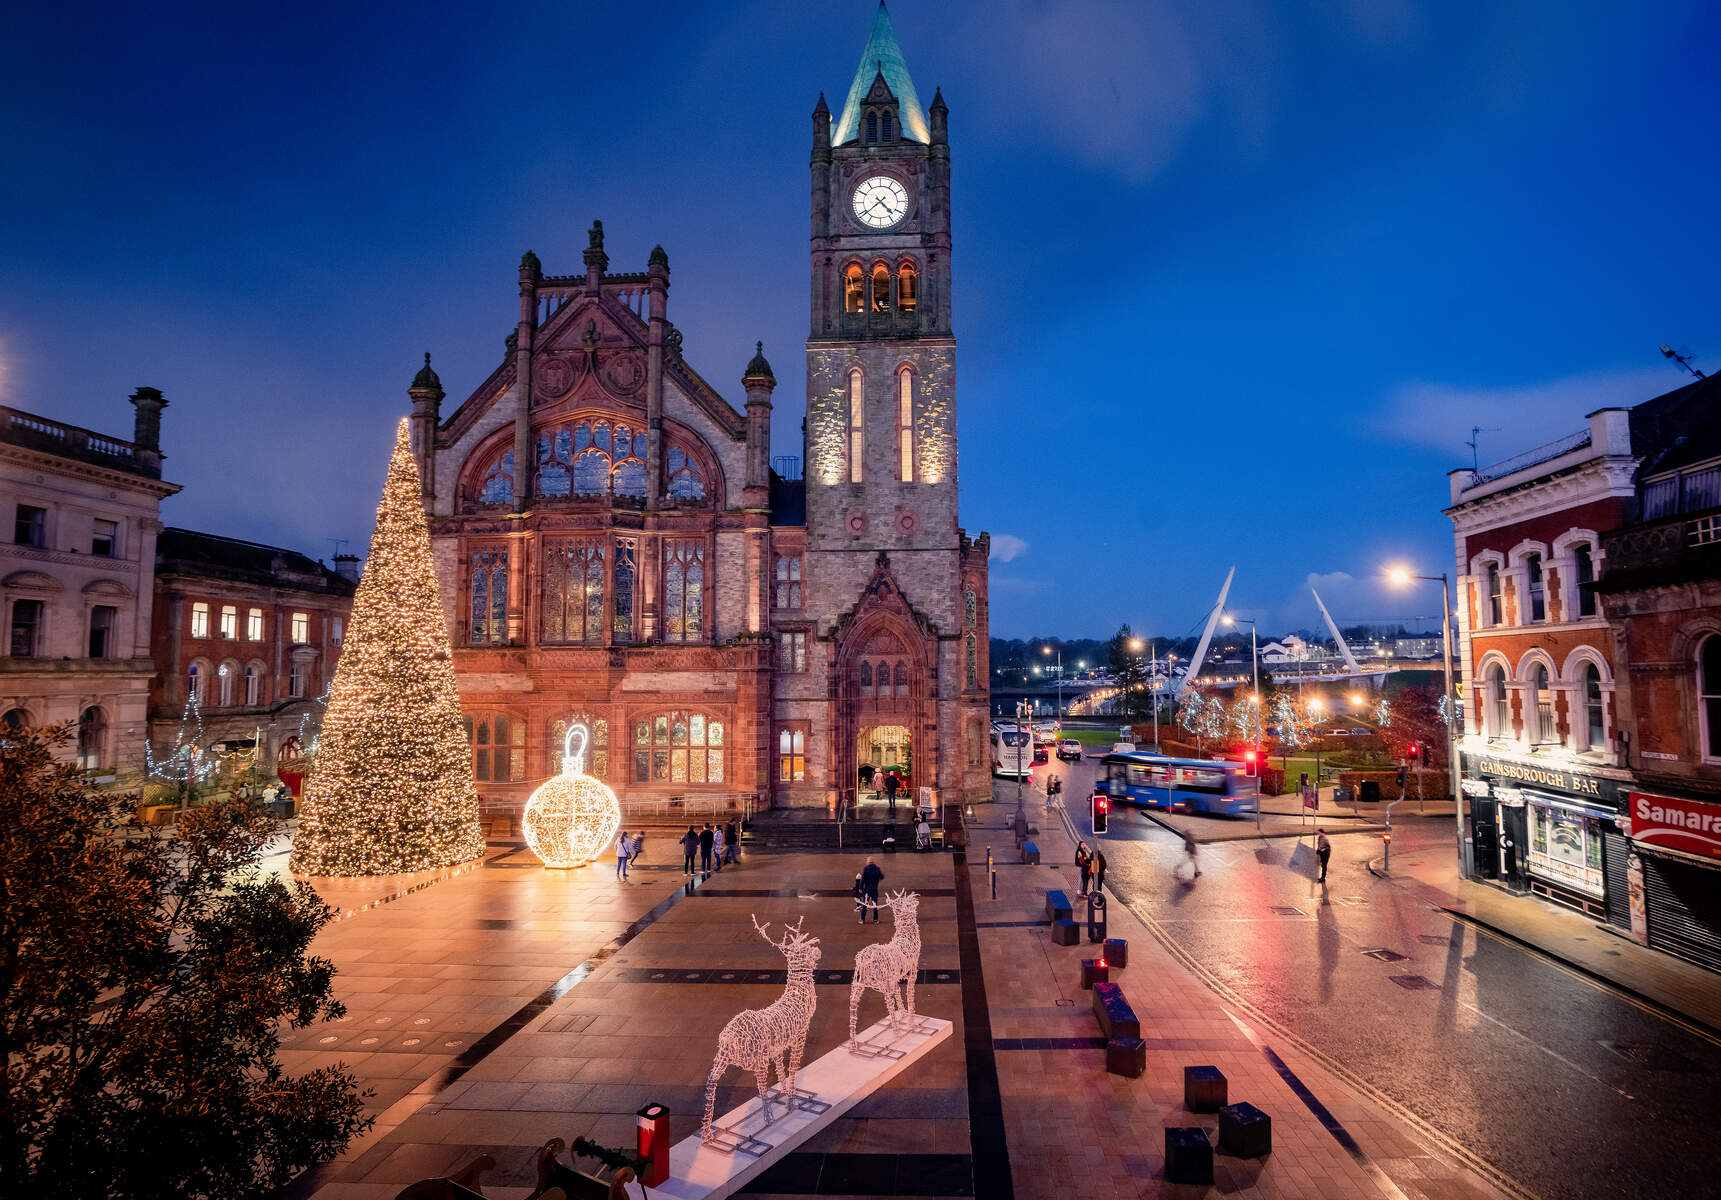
1688 825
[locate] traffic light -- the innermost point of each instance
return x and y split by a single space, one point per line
1101 810
1415 750
1251 764
1401 769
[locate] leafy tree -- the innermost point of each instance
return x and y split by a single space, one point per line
144 982
1415 716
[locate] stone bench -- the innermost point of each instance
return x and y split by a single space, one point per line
1188 1155
1116 1017
1066 933
1245 1131
1031 853
1116 953
1204 1089
1126 1056
1057 906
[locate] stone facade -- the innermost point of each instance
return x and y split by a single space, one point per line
614 546
76 580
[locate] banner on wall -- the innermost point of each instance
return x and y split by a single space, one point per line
1689 826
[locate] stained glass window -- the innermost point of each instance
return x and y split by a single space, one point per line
905 425
574 590
788 592
678 747
490 596
624 577
685 481
499 481
684 591
971 660
498 744
970 609
597 750
591 458
791 756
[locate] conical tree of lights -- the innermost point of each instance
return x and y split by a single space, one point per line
391 789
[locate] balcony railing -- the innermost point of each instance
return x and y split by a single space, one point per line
69 441
1669 551
1529 458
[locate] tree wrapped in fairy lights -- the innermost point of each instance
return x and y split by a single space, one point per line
391 788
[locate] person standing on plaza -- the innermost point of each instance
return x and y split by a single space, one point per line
891 783
1084 864
636 849
1323 851
623 847
689 847
1099 870
732 844
717 847
870 878
705 840
1189 849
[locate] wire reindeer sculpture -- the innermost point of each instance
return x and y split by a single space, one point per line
757 1037
884 965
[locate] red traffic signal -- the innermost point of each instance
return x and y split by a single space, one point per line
1251 764
1414 750
1101 810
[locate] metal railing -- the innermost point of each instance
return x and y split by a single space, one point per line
675 808
1529 458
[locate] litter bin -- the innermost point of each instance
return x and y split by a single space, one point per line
1342 795
1096 916
1368 791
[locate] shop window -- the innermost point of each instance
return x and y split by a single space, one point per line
254 625
792 652
1709 693
105 539
31 527
791 756
498 485
229 622
1538 597
857 443
854 289
880 288
1496 597
1594 736
597 749
92 737
1498 721
685 481
683 591
623 587
102 630
301 628
199 620
788 589
678 747
1542 697
573 596
1585 572
498 744
907 287
489 596
905 425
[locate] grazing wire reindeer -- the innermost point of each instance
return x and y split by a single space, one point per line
885 964
757 1037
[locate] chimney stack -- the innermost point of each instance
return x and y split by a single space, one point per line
146 432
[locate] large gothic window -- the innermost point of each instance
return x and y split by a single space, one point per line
907 287
574 590
880 288
970 609
678 747
592 458
489 596
597 751
788 592
498 486
971 660
685 480
624 580
857 443
905 425
683 591
854 289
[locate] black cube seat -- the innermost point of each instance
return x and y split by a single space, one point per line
1244 1130
1126 1056
1094 971
1031 853
1066 933
1117 953
1116 1017
1203 1089
1188 1155
1057 905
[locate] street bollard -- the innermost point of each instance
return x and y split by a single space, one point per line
652 1143
994 884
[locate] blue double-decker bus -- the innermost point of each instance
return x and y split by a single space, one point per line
1194 785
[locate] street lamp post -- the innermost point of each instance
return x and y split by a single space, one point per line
1255 659
1402 576
1060 683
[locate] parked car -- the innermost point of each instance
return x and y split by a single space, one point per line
1070 750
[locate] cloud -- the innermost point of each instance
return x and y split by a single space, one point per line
1007 547
1514 418
1015 585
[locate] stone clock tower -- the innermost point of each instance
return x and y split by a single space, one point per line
895 583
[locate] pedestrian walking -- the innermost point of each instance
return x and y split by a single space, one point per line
1189 849
623 847
689 847
732 844
891 783
1099 870
870 878
717 847
1323 851
860 897
636 849
1084 864
705 840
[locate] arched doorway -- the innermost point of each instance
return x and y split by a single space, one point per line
881 750
92 737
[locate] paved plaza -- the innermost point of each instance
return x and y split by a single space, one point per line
499 1005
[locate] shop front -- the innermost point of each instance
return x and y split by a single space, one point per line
1678 861
1553 831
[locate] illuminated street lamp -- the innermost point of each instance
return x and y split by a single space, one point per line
1255 659
1060 653
1403 577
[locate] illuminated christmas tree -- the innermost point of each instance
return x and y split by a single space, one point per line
391 789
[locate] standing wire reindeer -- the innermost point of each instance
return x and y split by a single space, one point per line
884 965
757 1037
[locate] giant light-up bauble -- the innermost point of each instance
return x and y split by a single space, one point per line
572 818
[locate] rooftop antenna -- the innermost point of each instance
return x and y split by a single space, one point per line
1475 463
339 542
1682 356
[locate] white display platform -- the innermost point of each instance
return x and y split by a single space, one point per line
824 1090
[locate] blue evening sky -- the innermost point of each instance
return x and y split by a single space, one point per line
1234 279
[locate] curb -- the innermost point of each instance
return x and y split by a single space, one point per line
1258 835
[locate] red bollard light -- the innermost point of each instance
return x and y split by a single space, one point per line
653 1144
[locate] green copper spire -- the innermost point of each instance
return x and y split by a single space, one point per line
882 54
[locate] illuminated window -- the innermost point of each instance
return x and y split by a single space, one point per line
498 485
498 744
683 591
905 424
591 458
907 287
678 747
792 652
854 289
597 750
1543 696
301 628
229 621
489 596
791 756
880 288
685 481
573 596
624 578
194 683
200 620
224 685
857 445
788 590
254 625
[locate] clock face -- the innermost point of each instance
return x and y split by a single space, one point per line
880 202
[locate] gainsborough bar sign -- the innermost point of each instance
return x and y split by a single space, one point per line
1535 775
1688 825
